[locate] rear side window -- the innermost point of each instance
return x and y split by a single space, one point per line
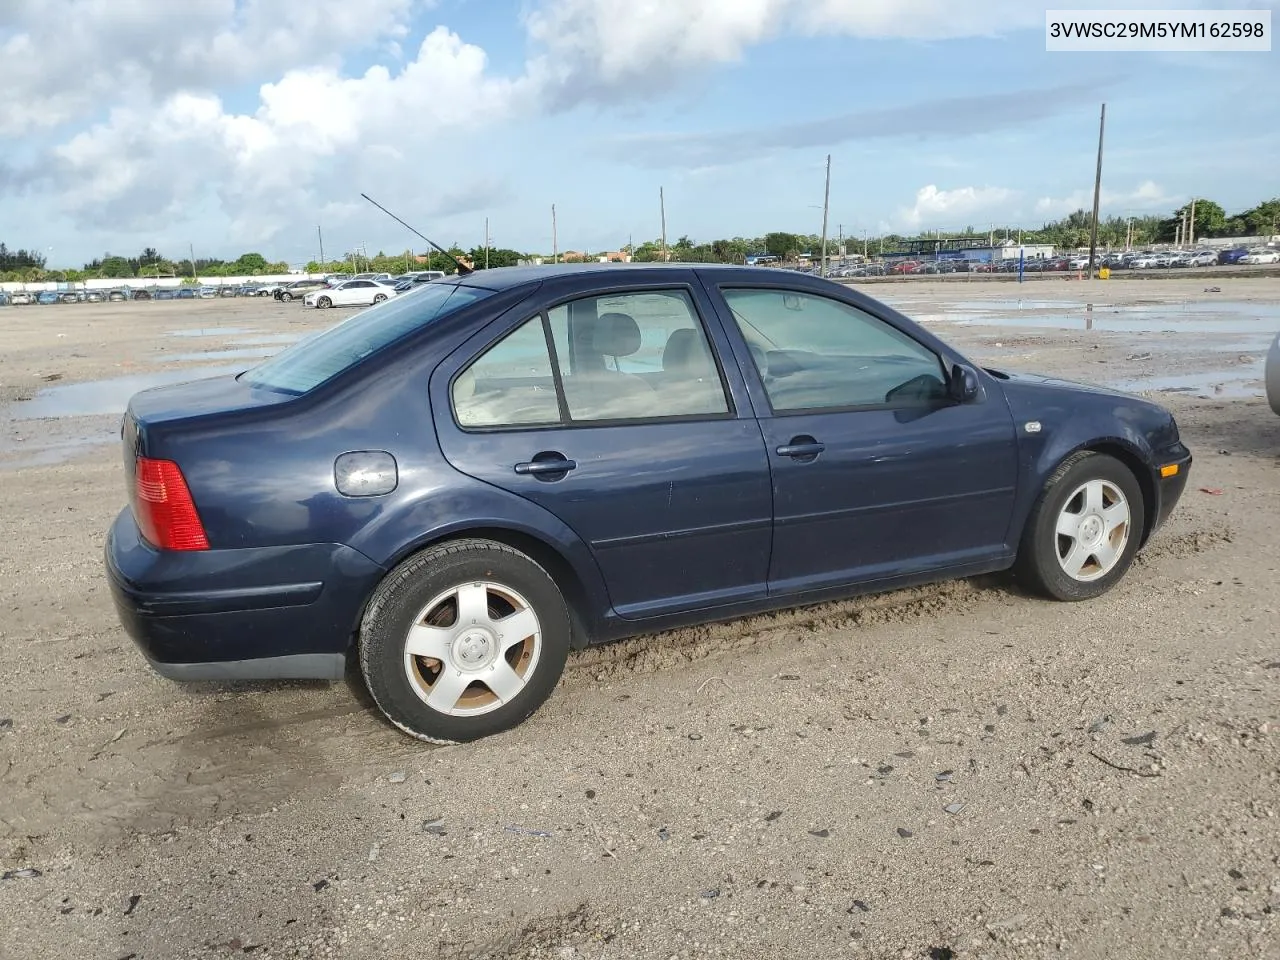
309 363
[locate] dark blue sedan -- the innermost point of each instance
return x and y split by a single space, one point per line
458 486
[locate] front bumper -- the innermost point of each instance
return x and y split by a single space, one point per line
1271 375
1171 487
254 613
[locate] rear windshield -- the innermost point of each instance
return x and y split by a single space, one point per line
309 363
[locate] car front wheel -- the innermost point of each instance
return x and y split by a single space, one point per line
324 303
1085 529
286 296
464 640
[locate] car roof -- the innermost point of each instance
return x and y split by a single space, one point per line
505 278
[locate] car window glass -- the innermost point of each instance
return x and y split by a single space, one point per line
635 356
510 383
308 363
813 352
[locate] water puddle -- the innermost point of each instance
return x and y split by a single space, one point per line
1127 320
270 338
1189 316
210 332
101 397
36 447
256 353
1209 385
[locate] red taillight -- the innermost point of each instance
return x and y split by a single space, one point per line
163 507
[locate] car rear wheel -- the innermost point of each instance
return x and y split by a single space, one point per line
380 298
464 640
324 303
1085 529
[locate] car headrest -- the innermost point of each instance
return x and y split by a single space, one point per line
616 335
683 350
464 387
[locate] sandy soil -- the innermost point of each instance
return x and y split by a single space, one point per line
953 771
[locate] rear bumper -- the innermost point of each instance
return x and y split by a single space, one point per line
258 613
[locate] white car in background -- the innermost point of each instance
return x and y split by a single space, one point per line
350 293
1261 256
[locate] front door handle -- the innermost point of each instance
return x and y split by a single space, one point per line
546 466
801 448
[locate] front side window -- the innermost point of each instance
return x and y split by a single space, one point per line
814 353
623 357
309 363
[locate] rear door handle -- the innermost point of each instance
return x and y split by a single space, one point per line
801 450
543 467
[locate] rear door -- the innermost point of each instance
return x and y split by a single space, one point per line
612 409
877 473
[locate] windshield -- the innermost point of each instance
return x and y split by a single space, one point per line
309 363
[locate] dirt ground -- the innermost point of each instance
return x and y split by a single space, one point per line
954 771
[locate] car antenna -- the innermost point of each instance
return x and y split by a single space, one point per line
462 270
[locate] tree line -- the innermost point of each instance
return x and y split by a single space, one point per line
1069 232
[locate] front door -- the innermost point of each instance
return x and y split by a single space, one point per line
876 472
612 412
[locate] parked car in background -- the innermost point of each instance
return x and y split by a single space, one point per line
4 299
1233 255
372 276
48 296
1261 255
299 289
116 295
141 294
455 488
21 298
165 293
352 293
185 293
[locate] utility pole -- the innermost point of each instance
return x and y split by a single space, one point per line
1097 194
192 249
1191 225
662 205
555 252
486 243
321 236
826 199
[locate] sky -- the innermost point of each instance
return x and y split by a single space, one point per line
229 126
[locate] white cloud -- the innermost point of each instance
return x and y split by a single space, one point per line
60 60
1147 196
315 134
941 209
611 49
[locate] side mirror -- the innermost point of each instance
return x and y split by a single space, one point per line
963 384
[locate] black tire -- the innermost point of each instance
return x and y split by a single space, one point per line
324 303
381 297
286 297
413 584
1038 566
